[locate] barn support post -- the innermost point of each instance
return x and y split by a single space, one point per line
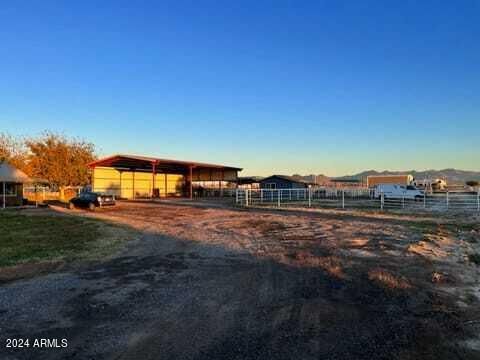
153 180
478 200
221 183
120 181
190 178
166 185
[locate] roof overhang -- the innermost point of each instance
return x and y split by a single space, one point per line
145 163
9 173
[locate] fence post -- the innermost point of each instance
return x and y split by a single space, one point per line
246 197
279 195
310 197
382 200
236 196
478 200
343 199
447 200
424 200
403 201
261 196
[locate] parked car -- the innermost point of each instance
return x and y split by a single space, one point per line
91 200
397 191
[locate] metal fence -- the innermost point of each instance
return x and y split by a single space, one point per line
355 198
215 193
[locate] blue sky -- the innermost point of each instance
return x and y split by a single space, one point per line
331 87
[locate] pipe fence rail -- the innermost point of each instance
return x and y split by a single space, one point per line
355 198
215 193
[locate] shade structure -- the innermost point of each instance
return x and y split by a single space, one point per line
11 174
11 183
132 176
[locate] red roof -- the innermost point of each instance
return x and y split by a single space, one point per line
146 162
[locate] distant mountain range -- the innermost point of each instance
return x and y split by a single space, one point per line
452 176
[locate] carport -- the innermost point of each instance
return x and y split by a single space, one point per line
133 176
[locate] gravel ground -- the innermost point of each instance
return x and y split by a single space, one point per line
217 283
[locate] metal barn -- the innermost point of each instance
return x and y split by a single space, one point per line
132 176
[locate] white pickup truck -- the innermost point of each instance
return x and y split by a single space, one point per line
396 191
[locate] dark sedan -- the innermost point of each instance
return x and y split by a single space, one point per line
91 200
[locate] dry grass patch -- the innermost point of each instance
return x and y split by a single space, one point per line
331 264
387 280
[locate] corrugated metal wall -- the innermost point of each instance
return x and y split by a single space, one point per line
214 175
129 185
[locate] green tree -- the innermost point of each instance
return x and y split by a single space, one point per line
60 160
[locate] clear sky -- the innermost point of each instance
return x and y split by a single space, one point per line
329 87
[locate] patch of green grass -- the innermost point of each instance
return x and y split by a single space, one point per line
26 238
474 258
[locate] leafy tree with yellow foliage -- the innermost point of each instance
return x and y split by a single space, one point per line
60 160
13 151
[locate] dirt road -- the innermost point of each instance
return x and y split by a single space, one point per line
217 283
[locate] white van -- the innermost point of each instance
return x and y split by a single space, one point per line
397 191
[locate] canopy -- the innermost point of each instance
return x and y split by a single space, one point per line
147 163
9 173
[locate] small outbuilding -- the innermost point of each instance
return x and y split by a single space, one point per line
11 185
402 179
283 182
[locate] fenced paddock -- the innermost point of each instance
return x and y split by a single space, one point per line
215 193
355 199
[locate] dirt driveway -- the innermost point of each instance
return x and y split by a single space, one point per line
219 283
